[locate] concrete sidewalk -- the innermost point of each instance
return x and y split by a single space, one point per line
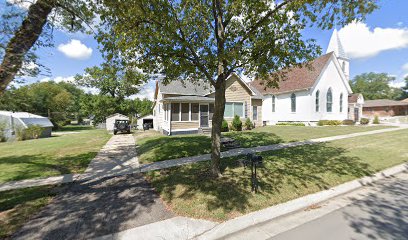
118 157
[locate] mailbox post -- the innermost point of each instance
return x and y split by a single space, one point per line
255 162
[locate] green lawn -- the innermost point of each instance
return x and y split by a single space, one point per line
287 174
70 153
17 206
153 146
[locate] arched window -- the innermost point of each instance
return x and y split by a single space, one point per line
343 66
293 102
341 102
317 100
329 100
273 103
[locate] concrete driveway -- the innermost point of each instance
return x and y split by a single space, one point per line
95 208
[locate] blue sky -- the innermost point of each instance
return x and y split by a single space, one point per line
380 44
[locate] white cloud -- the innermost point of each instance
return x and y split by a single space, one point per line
405 67
397 84
24 4
69 79
362 42
146 91
75 49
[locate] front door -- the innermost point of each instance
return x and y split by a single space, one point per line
356 114
203 115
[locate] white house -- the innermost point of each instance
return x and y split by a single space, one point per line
310 94
110 120
14 120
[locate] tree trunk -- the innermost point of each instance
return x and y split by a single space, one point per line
216 126
24 38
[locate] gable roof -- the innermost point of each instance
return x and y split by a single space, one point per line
405 100
198 88
353 97
117 114
298 78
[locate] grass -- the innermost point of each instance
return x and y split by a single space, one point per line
70 153
17 206
153 146
75 128
287 174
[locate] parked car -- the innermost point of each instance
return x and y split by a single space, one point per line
122 126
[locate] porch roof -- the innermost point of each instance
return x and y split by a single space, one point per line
188 99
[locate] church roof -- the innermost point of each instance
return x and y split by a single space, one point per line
336 46
298 78
353 97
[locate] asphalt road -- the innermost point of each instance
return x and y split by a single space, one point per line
382 214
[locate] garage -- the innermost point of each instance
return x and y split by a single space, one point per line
145 120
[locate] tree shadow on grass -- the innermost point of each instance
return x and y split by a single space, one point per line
164 147
253 139
16 168
318 166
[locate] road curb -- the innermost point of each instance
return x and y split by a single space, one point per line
238 224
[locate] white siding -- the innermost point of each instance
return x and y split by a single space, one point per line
305 100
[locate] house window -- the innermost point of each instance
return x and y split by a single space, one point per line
255 113
293 102
317 100
234 108
329 100
341 102
195 108
273 103
211 110
185 112
175 112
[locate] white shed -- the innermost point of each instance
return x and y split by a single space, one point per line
146 119
110 120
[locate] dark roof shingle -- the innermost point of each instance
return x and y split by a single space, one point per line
298 78
384 103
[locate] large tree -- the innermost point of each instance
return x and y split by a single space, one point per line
210 39
23 31
375 86
116 80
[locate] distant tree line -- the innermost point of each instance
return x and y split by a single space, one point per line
65 102
377 86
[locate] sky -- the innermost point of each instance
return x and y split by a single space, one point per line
379 44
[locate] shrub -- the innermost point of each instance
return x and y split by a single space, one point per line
224 126
3 126
348 122
290 124
31 132
329 123
364 121
248 124
236 124
376 120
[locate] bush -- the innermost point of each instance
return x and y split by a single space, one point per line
348 122
376 120
3 126
248 124
364 121
290 124
224 126
329 123
31 132
236 124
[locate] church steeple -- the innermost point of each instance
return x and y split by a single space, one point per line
336 46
